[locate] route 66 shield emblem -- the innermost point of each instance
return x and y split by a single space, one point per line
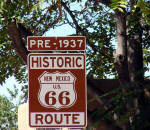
57 89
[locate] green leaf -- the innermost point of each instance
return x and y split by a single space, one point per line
123 6
121 10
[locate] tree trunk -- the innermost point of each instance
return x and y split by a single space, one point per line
120 62
121 52
129 57
135 60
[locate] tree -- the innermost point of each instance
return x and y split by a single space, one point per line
99 21
8 114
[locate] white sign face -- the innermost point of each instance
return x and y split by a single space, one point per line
57 90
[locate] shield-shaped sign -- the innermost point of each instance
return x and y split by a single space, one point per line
57 90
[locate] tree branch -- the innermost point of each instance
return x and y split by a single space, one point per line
73 17
56 20
78 27
17 41
105 2
24 31
43 17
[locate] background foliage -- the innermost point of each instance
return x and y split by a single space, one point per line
90 18
8 114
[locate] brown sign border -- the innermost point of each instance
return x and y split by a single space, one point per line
85 112
56 45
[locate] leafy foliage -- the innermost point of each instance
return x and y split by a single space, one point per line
90 18
8 114
96 22
145 8
31 14
119 4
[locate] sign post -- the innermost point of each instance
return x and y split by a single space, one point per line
57 88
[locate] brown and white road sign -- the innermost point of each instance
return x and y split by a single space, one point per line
57 90
40 43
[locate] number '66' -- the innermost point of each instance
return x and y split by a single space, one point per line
63 98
